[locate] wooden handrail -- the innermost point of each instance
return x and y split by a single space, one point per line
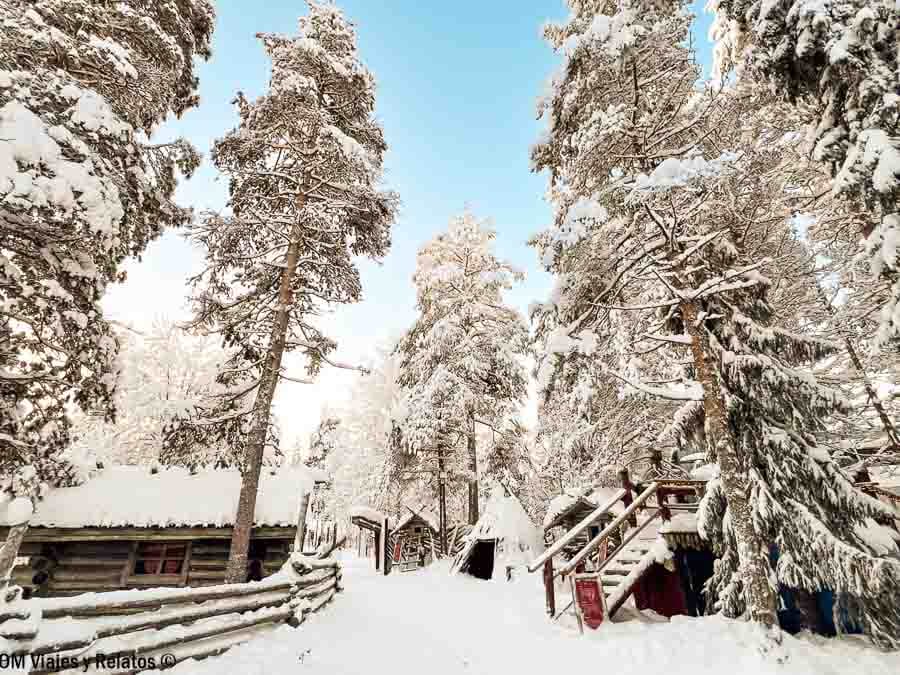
631 535
574 532
609 529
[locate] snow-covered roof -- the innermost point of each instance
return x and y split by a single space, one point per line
430 519
367 513
132 496
590 496
681 523
518 539
705 472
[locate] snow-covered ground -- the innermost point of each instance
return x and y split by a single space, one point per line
430 622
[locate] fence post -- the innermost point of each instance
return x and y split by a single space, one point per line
549 588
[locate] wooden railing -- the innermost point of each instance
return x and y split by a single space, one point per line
613 527
625 524
157 628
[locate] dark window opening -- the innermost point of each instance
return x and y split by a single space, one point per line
159 558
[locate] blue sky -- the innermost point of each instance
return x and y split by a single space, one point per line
457 85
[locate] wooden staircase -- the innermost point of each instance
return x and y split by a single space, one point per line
619 571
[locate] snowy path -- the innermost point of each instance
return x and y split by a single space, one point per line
429 622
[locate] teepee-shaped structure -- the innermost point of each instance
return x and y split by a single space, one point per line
502 539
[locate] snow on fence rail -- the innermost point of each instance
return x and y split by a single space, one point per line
147 629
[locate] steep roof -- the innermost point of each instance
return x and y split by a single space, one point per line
430 519
574 498
132 496
518 539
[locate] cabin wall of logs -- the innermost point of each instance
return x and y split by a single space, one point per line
157 628
54 564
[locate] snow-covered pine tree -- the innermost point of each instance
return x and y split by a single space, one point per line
304 168
840 61
461 362
667 224
80 191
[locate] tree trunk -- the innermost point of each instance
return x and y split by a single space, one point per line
9 552
886 423
473 468
442 502
752 551
236 571
301 524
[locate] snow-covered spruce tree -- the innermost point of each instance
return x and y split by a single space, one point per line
840 61
81 189
662 234
304 168
461 362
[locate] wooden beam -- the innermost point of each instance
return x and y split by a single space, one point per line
75 534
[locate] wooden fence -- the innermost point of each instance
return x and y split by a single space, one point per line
140 630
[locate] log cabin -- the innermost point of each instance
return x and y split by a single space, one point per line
132 527
568 509
415 540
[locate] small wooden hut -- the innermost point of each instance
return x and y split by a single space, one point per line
415 540
128 527
571 507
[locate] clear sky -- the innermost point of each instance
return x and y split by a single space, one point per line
457 85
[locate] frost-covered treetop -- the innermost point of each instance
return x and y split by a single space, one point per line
137 55
463 355
462 262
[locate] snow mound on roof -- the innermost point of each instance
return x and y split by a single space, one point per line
681 523
131 496
595 495
367 513
432 520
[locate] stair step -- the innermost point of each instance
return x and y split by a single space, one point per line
618 571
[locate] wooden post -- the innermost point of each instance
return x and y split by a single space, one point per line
628 486
378 538
384 547
656 460
549 590
300 537
662 498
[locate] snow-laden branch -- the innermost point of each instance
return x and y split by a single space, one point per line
692 391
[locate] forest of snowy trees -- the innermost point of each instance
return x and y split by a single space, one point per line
723 252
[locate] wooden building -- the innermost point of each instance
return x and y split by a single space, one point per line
128 527
415 540
568 509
